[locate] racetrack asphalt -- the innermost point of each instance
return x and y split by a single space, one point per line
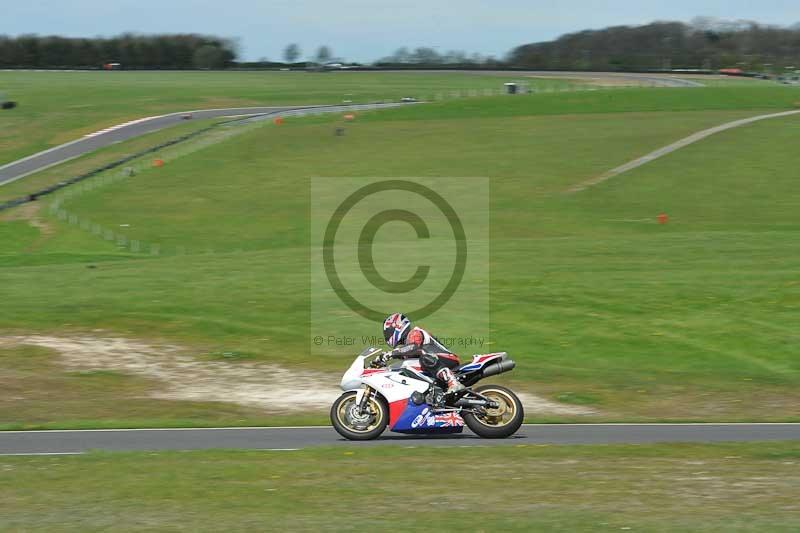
291 438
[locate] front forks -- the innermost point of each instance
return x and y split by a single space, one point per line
362 399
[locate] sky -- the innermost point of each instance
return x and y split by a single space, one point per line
364 30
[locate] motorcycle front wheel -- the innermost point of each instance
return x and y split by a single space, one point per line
500 422
354 425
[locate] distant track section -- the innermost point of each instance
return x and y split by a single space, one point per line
693 138
36 162
23 167
657 80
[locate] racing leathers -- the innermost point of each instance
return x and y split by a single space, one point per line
436 360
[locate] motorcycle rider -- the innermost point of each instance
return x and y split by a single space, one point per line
436 360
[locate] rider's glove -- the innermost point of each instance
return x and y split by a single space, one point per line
382 359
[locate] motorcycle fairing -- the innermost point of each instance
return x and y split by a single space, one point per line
395 388
422 419
481 360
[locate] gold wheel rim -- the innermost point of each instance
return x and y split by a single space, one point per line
348 404
501 415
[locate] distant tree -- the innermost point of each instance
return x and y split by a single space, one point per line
29 50
401 55
492 62
456 57
324 54
292 53
704 23
425 56
208 56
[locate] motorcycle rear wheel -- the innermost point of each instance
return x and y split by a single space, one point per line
354 426
500 422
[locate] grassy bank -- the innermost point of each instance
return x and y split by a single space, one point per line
599 305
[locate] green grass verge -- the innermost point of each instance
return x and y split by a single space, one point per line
663 488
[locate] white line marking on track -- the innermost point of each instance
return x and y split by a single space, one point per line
41 453
120 126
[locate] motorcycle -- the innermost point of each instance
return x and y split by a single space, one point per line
404 399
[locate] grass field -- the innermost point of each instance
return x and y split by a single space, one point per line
56 107
600 306
725 487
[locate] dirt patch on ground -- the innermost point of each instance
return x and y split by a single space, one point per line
261 385
183 377
6 342
538 405
31 213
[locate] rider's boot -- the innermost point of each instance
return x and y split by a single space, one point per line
447 376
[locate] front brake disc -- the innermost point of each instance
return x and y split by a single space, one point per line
358 420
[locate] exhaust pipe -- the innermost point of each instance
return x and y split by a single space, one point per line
467 402
498 368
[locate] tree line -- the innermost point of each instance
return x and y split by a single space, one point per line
177 51
704 43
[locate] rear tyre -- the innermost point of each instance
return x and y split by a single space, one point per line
350 424
500 422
